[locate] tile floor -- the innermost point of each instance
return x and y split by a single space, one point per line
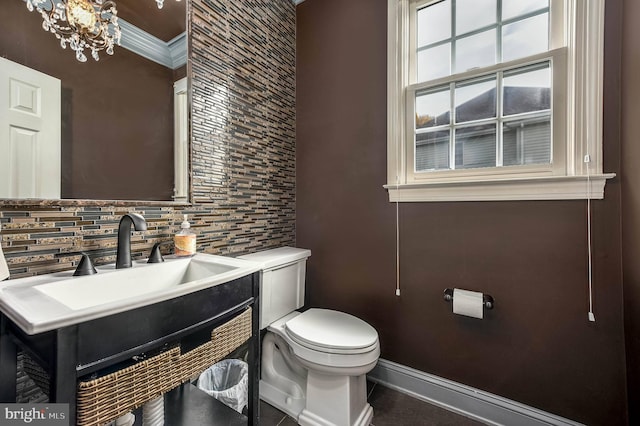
390 408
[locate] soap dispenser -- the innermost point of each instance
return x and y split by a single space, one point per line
185 240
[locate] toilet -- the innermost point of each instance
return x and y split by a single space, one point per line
314 363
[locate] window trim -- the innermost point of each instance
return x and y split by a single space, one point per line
581 128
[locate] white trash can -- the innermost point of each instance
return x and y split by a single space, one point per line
228 382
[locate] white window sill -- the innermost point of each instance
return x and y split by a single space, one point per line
536 188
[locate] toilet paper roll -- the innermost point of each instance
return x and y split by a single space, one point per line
468 303
4 270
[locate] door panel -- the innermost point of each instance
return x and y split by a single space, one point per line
30 119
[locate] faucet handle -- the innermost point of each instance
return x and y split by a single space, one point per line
156 256
85 267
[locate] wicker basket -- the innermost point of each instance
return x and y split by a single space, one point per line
107 398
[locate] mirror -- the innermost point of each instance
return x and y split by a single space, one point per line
122 119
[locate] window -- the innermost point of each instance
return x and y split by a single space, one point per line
495 99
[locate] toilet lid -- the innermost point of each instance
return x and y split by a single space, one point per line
331 330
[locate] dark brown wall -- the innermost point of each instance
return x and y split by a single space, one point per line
537 347
117 133
631 200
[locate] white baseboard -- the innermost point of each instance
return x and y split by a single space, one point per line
464 400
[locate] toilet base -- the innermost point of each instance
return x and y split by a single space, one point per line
336 401
291 406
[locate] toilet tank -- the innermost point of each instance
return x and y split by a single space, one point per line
281 281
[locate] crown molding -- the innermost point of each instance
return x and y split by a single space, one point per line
178 50
171 54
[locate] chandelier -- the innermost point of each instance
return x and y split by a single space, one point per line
82 24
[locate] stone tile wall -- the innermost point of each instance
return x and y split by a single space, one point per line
243 153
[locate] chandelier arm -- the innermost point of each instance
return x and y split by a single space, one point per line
53 19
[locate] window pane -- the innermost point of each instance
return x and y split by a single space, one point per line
476 146
434 63
526 37
527 90
432 108
475 101
478 50
527 141
474 14
432 151
434 23
513 8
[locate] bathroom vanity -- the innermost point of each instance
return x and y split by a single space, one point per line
162 344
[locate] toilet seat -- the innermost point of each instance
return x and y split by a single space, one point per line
332 332
347 360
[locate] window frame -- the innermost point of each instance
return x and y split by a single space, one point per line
576 55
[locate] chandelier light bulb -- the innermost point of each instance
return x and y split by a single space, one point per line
81 15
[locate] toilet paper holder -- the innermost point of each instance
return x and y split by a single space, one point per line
487 301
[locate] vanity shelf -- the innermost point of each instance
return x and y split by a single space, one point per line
86 351
187 405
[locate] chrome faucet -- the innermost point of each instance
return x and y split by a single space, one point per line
123 258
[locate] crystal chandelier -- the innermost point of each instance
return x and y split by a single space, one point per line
161 3
83 24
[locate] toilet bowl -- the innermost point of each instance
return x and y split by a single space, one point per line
314 363
326 364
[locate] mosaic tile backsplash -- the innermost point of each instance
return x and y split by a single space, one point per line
243 153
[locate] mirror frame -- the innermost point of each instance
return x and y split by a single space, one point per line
65 202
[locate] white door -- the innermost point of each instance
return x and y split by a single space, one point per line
30 116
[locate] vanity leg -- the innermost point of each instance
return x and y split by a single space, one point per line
63 380
8 364
254 357
254 375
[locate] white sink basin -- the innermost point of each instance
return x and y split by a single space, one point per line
141 280
46 302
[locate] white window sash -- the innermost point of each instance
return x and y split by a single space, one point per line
577 122
558 165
